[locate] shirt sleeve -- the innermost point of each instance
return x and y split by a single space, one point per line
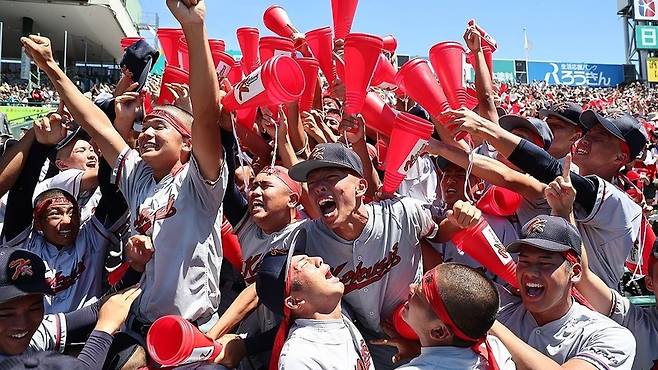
613 210
208 193
420 218
130 173
51 334
612 347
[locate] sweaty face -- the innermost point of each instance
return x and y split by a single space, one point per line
597 149
78 155
417 311
159 144
268 199
60 223
545 280
334 191
319 288
19 320
563 134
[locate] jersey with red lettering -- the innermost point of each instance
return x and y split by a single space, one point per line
379 265
254 243
75 272
183 216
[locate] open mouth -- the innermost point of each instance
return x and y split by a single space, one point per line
19 335
327 206
149 146
329 276
582 149
66 233
257 205
534 290
91 164
451 191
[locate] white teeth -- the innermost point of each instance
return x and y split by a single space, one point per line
534 285
19 335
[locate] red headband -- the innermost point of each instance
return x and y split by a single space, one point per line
40 207
282 332
174 121
432 294
282 174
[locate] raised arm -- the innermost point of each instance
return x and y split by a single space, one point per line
84 111
12 162
483 82
560 195
204 87
490 170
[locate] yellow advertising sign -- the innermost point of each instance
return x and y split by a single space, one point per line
652 69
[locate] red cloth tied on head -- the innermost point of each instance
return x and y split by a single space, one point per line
282 332
433 295
174 121
282 174
43 205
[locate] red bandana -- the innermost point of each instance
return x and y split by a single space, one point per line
170 119
433 296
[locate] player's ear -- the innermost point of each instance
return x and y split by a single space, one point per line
61 165
441 332
576 272
575 137
292 303
187 144
362 187
293 200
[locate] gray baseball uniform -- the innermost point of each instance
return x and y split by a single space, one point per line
459 358
379 265
643 323
609 231
325 345
581 333
254 243
74 273
182 214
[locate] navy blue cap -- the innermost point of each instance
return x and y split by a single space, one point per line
566 111
42 361
549 233
21 273
622 125
273 271
139 58
74 132
539 127
419 112
327 155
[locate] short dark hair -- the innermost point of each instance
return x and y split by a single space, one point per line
470 298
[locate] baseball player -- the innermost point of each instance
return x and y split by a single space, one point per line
563 119
641 321
607 218
372 248
73 252
174 189
452 182
316 333
27 331
451 309
553 330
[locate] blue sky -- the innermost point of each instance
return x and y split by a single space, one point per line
558 30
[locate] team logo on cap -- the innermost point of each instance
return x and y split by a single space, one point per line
317 153
22 267
537 225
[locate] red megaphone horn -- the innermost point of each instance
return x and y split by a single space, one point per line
343 14
248 41
276 20
361 54
321 44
